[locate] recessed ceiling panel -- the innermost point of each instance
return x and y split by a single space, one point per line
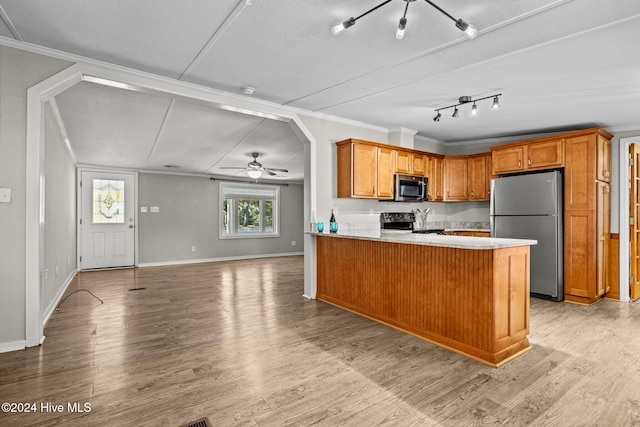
277 146
195 137
111 127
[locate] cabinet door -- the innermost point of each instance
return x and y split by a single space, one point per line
386 157
455 178
419 165
603 172
403 161
603 233
365 166
434 173
544 155
478 178
506 160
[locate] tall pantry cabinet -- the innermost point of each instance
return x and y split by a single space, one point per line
587 231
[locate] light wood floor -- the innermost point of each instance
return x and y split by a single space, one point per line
237 342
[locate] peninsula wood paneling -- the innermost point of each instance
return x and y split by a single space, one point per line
475 302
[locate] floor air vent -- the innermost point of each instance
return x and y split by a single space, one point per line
204 422
137 289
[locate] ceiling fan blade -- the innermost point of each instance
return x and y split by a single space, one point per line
276 169
240 172
269 172
232 167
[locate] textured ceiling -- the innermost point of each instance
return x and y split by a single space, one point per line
560 64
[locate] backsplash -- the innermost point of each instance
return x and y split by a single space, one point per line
365 221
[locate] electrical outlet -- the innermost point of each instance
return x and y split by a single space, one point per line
293 243
154 209
5 195
193 248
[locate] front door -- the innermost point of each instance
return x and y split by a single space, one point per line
107 220
634 223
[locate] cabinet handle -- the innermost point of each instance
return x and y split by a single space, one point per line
606 190
529 161
519 164
607 174
374 189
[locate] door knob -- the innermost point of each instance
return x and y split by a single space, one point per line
131 226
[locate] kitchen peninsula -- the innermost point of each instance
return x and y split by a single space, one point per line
467 294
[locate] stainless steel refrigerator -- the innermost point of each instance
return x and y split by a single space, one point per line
530 207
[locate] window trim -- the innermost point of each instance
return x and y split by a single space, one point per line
235 235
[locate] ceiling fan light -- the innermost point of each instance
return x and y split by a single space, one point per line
341 26
401 28
496 103
469 30
254 173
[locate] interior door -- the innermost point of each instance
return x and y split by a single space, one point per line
107 220
634 227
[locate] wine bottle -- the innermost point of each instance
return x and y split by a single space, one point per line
333 225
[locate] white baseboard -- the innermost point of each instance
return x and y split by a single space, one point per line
230 258
6 347
56 300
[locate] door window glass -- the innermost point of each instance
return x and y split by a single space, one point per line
108 201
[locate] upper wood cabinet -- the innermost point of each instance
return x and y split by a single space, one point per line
357 169
435 176
410 163
456 178
386 166
507 160
479 176
532 155
365 170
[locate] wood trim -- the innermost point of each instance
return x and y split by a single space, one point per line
614 265
590 131
474 302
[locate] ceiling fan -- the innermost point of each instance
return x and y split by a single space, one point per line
255 169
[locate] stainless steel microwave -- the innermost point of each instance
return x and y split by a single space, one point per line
410 188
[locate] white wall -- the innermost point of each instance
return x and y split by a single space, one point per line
60 214
18 71
189 215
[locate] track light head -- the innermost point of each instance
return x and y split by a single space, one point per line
437 117
496 103
469 30
474 109
401 28
456 113
341 26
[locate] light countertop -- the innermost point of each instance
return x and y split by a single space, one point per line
459 242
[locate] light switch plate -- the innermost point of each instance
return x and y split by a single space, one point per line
5 195
155 209
143 209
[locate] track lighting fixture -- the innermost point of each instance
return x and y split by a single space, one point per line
403 24
467 100
469 30
496 103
